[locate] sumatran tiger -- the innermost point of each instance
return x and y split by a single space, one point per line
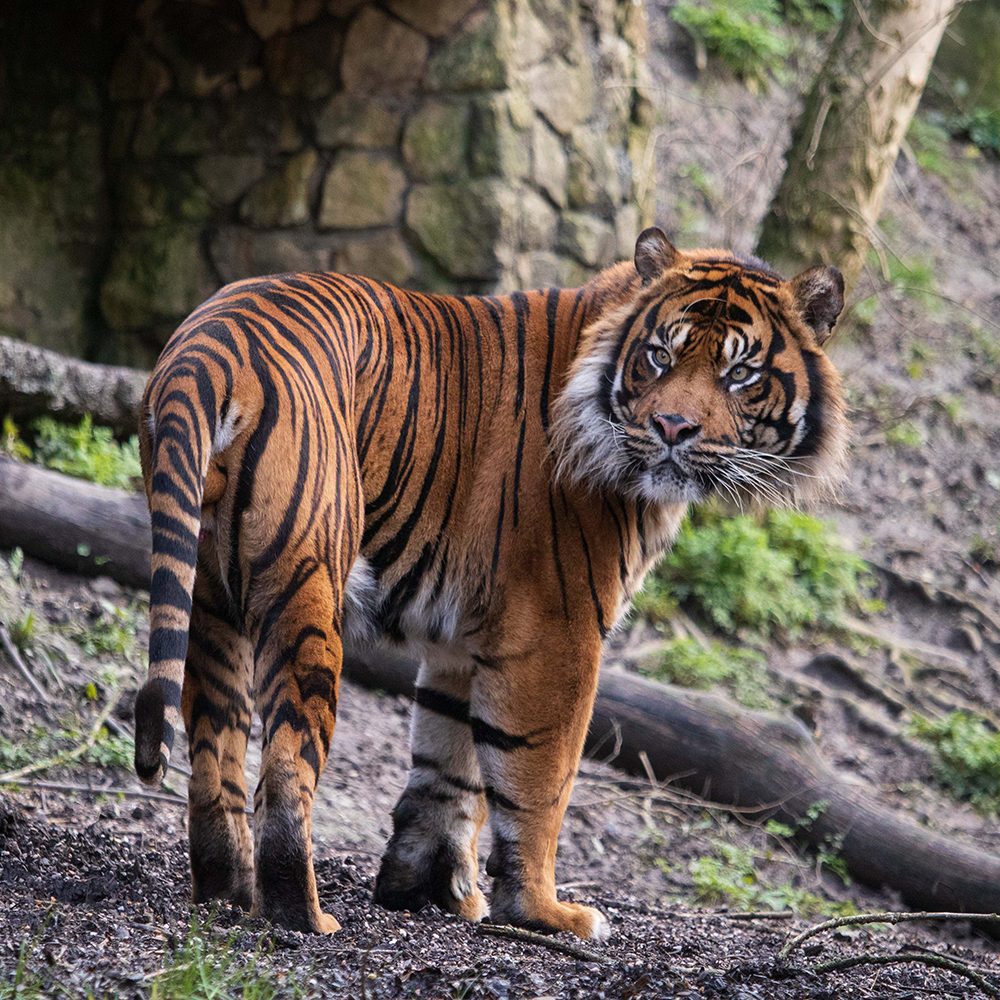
485 479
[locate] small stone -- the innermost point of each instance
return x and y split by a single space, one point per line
590 240
383 255
138 75
249 76
350 120
154 274
626 231
304 63
468 228
478 58
433 17
498 147
268 17
343 8
548 161
592 176
362 189
380 54
434 142
282 199
534 40
227 176
240 252
562 92
538 222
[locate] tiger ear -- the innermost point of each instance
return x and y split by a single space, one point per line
819 294
654 253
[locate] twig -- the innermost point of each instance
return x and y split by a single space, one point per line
11 777
15 657
129 793
878 918
934 960
530 937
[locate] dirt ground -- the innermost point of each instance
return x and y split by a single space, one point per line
93 888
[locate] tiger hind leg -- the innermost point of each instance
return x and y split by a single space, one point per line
298 658
217 712
432 856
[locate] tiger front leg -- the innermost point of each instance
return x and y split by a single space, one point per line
432 856
529 718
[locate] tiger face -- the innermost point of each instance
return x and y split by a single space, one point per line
710 379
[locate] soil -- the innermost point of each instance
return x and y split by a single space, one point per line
95 884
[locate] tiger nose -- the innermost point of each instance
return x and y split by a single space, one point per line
673 428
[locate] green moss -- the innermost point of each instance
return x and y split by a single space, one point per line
778 573
966 757
740 672
730 876
87 452
744 34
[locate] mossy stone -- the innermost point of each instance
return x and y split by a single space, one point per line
563 92
433 17
45 291
478 57
383 255
282 198
588 239
468 228
498 147
548 162
227 176
351 120
382 55
155 274
435 139
362 189
304 63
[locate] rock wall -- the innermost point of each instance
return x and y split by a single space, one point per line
169 146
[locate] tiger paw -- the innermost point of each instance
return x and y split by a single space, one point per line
552 916
325 923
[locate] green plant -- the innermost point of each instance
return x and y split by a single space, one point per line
11 443
780 572
981 126
745 34
739 671
729 876
23 631
930 142
111 631
203 968
87 452
815 15
905 434
966 757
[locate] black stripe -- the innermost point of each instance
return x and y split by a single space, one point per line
442 704
483 732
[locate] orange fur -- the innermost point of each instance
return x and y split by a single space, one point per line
481 479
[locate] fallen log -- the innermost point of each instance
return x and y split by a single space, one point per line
703 743
35 382
77 526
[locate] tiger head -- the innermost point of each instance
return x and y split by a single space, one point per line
708 377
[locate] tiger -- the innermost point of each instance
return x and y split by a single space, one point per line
483 480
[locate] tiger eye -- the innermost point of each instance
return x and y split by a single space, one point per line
661 356
739 373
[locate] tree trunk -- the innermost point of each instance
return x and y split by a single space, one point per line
77 526
720 750
35 382
846 141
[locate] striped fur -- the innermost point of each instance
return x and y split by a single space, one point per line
483 479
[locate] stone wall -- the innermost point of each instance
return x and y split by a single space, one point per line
168 147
